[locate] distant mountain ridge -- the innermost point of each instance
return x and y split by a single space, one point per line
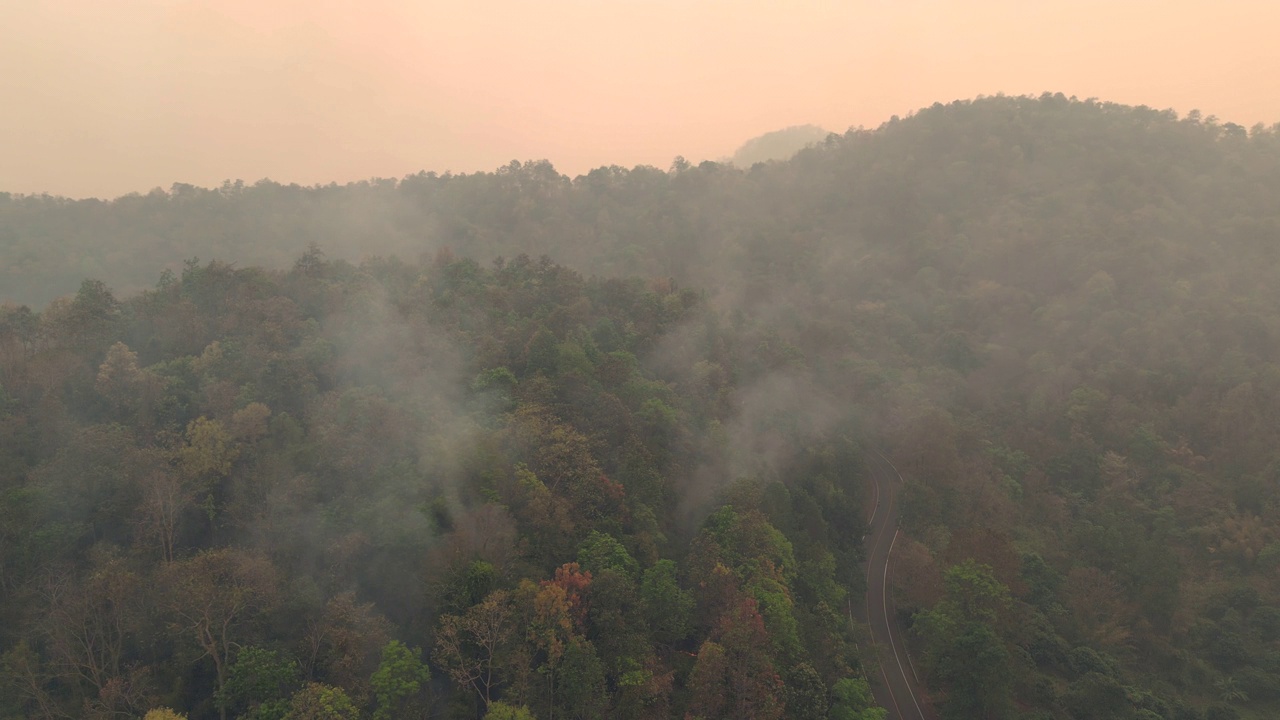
615 221
778 145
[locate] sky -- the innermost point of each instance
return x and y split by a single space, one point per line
107 97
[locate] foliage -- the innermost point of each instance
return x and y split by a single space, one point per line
965 653
851 700
260 683
399 682
633 481
321 702
503 711
668 608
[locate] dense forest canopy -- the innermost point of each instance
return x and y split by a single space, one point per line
519 445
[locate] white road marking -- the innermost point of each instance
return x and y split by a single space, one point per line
884 600
884 592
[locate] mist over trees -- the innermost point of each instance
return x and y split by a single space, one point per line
777 145
513 444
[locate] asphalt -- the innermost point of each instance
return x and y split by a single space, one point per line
894 682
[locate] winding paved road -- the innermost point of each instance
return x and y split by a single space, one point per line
898 689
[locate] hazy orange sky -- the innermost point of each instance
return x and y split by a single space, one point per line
105 97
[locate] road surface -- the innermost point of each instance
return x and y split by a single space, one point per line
897 687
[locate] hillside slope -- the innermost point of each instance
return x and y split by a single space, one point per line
1058 318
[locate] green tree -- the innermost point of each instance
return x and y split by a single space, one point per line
965 653
806 694
260 683
209 450
119 379
581 691
851 700
616 624
321 702
667 608
503 711
399 683
601 551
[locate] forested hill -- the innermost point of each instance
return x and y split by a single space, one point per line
994 171
413 471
